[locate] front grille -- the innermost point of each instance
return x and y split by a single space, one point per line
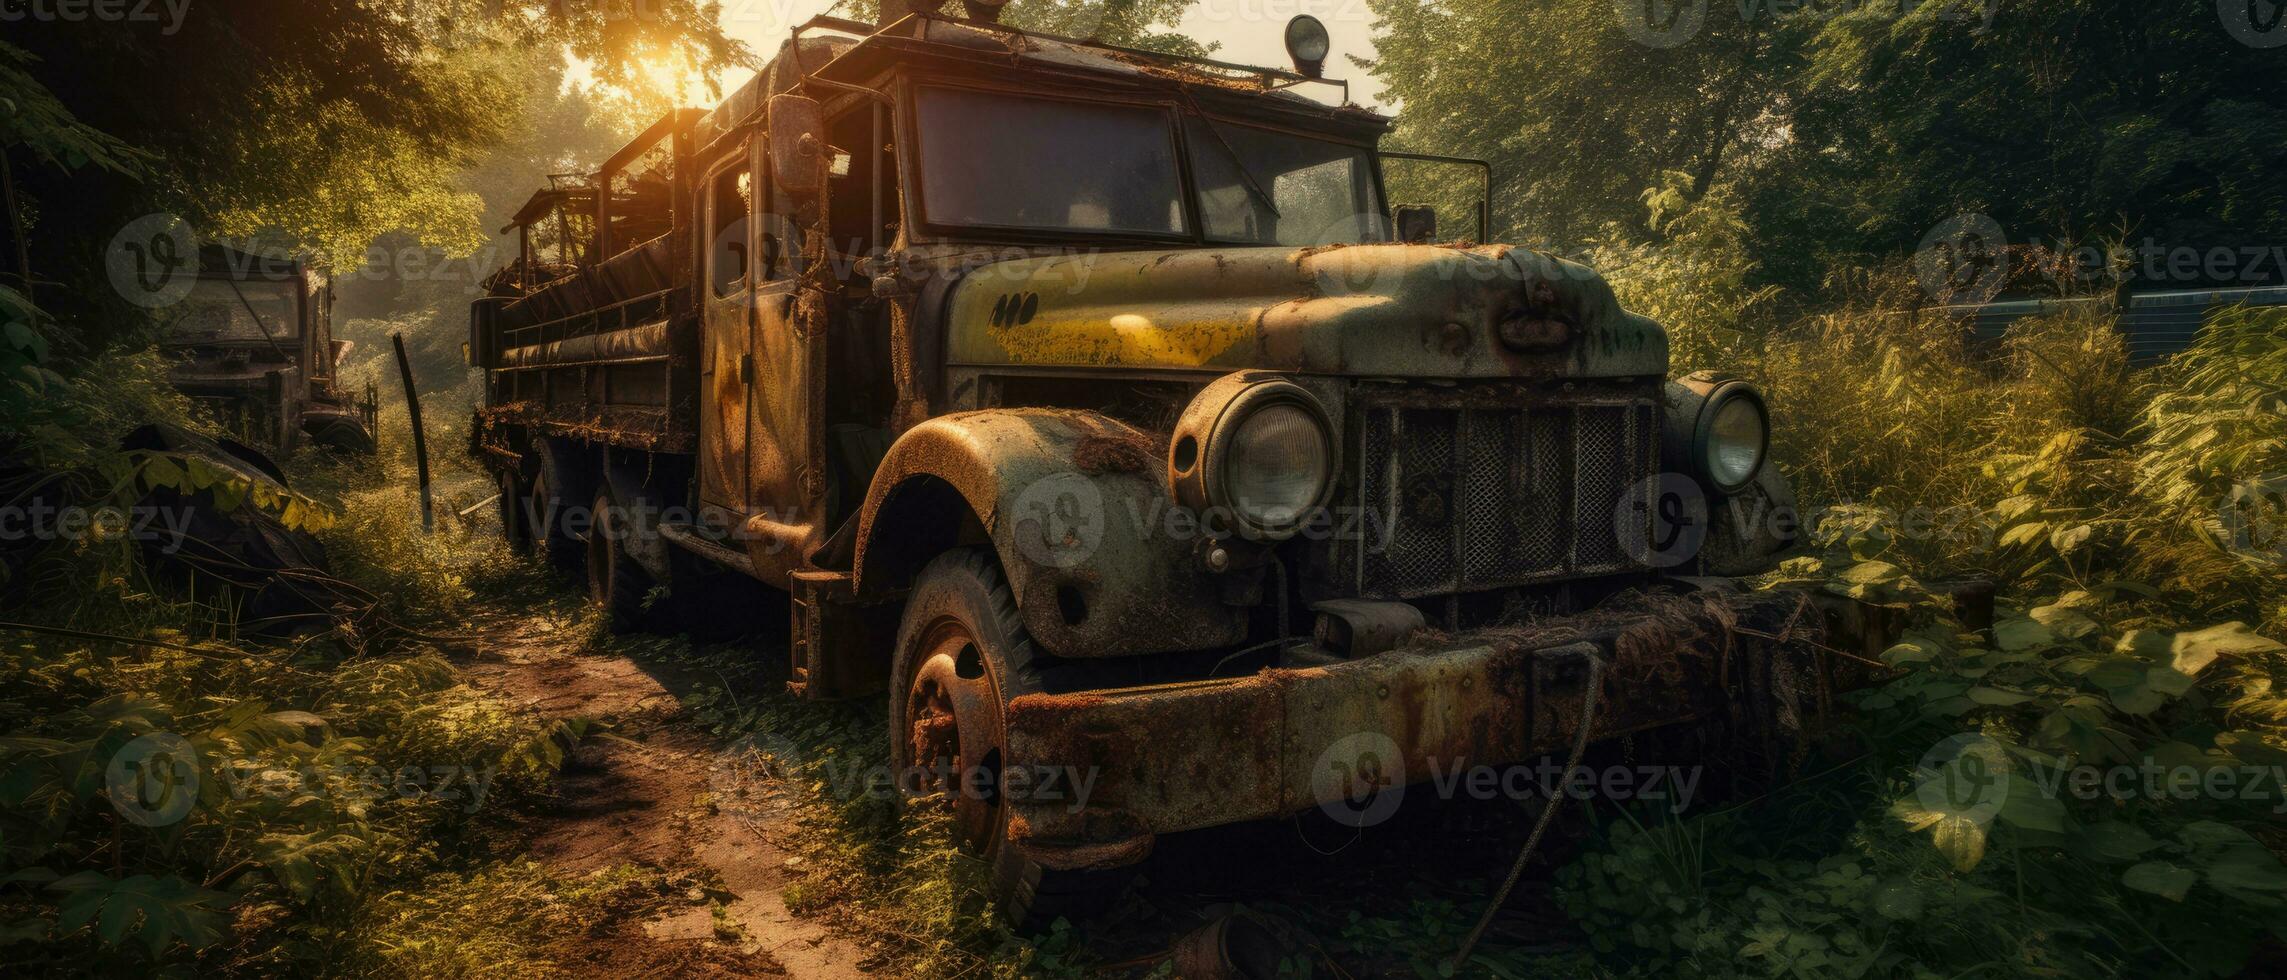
1469 492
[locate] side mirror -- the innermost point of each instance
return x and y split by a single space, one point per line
1417 223
797 144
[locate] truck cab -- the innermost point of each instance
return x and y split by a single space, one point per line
1087 404
252 342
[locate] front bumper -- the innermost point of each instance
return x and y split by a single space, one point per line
1132 763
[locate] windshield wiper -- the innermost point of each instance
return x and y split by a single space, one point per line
1238 164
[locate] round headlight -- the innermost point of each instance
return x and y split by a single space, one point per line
1734 433
1255 450
1275 467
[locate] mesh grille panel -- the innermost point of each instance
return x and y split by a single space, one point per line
1466 498
1600 434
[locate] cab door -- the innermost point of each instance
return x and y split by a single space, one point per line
726 366
784 474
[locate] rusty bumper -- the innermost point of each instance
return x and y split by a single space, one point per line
1142 761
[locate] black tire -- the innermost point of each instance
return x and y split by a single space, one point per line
546 511
615 581
515 513
961 638
342 436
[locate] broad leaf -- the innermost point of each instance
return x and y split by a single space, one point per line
2165 879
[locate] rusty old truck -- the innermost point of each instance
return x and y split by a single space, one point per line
252 343
1096 405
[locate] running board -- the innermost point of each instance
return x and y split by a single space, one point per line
689 538
840 647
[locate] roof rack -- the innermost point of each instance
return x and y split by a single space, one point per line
1265 76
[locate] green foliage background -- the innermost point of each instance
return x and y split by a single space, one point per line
1846 131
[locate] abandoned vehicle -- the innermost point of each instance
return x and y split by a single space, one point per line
1097 407
253 342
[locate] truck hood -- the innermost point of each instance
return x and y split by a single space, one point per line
1364 310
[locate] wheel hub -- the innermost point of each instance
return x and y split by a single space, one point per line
953 734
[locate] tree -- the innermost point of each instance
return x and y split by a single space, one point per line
1577 115
1850 130
2060 121
311 124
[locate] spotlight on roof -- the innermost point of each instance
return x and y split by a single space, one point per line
1306 43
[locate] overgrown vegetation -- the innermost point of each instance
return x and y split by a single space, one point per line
172 793
2132 520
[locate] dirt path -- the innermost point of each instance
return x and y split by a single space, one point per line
639 795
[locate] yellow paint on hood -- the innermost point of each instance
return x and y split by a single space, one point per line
1386 310
1123 339
1159 309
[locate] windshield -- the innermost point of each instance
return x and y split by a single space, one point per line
1014 162
1258 186
213 312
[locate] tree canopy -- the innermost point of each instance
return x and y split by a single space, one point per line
1850 130
313 125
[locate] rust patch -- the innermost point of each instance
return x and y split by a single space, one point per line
1528 333
1120 452
1049 709
1286 676
1128 845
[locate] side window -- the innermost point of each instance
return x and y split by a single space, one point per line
727 208
779 238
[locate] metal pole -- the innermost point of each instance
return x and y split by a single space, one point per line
420 440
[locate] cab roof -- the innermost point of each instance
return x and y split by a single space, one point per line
842 52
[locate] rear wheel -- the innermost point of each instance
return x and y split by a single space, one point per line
515 513
962 655
615 580
546 512
342 436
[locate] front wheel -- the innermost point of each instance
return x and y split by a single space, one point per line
962 655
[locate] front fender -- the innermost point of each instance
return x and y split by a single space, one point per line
1076 507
